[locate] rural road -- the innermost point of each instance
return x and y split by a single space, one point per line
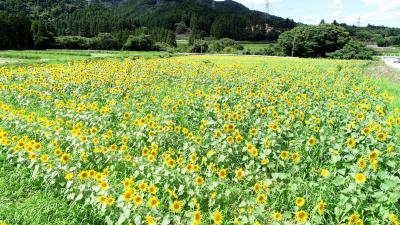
390 62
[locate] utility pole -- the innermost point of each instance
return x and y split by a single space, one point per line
293 44
201 46
267 6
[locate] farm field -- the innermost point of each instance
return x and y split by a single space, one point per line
197 140
29 57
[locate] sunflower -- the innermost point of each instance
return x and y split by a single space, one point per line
277 216
150 220
296 157
312 141
300 201
261 199
360 178
199 180
152 189
222 173
351 142
321 207
137 199
217 217
381 136
103 185
362 163
240 174
284 155
324 172
83 175
302 216
69 176
176 206
153 202
197 217
127 195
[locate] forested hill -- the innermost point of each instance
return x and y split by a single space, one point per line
90 17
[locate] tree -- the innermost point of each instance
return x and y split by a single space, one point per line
352 50
313 41
43 34
142 42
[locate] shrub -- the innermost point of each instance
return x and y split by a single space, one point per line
105 41
221 44
352 50
141 42
73 42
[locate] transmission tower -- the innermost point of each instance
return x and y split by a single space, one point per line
359 21
267 6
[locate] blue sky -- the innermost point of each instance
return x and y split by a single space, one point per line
377 12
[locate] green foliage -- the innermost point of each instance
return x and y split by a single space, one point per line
313 41
221 45
43 34
15 31
73 42
352 50
198 46
105 41
142 42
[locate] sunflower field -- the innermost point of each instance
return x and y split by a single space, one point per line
171 142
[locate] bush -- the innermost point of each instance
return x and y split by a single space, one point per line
141 42
105 41
161 46
352 50
73 42
198 46
221 44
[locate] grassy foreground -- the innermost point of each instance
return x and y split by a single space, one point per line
24 200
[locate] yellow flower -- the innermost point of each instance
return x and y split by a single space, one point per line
150 220
103 185
222 173
83 175
239 174
69 176
362 163
321 207
277 216
152 189
360 178
351 142
312 141
153 202
381 136
393 218
324 172
261 199
284 155
296 157
300 201
199 180
302 216
197 217
137 200
217 217
176 206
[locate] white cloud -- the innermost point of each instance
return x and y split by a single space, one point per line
385 11
335 9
